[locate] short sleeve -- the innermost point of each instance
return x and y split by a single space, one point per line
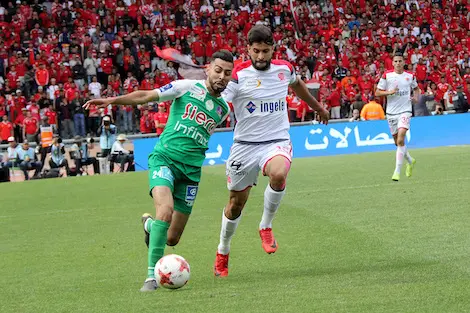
292 77
414 84
230 91
382 85
174 90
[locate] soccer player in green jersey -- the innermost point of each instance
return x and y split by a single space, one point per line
176 161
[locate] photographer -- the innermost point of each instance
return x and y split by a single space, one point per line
79 152
107 132
58 159
121 155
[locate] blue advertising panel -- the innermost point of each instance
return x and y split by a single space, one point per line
342 138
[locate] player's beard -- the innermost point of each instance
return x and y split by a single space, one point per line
217 87
260 67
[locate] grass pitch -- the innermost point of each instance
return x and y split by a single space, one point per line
350 240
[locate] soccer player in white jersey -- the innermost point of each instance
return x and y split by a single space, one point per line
258 93
396 85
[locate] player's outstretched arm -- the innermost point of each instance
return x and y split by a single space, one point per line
134 98
302 92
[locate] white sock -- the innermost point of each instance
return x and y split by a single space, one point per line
272 200
226 233
401 150
408 156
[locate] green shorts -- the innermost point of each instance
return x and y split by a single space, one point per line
182 179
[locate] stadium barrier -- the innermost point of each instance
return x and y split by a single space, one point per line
341 138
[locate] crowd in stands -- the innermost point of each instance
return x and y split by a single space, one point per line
54 56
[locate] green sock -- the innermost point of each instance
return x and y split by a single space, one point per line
158 237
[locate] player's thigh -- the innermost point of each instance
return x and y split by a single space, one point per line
276 159
393 125
242 167
161 185
404 123
178 223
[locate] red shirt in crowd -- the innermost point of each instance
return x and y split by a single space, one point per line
30 125
162 118
145 124
6 130
52 115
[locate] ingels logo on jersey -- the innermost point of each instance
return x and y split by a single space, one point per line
251 107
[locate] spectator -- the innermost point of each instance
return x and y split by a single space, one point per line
30 127
160 119
42 75
95 87
78 73
90 64
460 101
121 155
58 159
334 102
107 132
356 116
146 124
12 153
65 109
79 115
27 160
372 111
6 130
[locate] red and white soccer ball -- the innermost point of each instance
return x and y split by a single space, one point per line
172 271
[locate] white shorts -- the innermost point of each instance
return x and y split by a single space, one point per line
398 121
246 160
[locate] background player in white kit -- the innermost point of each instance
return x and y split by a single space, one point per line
258 93
397 85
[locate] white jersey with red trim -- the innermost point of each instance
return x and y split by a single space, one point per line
259 101
400 102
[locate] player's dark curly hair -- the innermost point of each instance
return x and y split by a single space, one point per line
260 34
224 55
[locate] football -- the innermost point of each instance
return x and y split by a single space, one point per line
172 271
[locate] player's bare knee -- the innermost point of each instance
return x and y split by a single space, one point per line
164 213
277 180
173 240
400 141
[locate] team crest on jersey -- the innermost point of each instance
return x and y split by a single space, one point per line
209 105
281 76
407 79
251 107
219 111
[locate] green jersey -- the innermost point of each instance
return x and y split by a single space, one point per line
194 115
